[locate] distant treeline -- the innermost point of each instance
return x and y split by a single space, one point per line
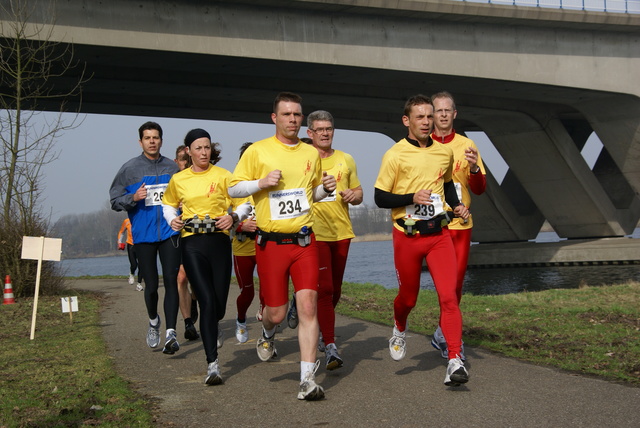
95 234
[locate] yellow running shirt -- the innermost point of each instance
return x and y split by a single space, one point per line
461 172
332 221
287 207
247 247
199 193
406 169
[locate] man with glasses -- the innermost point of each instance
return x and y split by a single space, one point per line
332 226
468 174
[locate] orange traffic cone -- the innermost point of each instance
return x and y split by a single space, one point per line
8 291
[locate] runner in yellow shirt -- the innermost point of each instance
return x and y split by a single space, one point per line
244 264
468 174
332 225
415 181
285 177
196 203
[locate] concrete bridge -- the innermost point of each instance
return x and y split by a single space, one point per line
537 81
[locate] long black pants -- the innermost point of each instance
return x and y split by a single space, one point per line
207 262
170 260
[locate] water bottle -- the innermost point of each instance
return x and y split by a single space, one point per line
409 225
303 237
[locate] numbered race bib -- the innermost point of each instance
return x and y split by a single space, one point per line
426 212
331 197
289 203
154 194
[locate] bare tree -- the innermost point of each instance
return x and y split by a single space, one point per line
33 77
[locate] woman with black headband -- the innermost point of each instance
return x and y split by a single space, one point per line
201 191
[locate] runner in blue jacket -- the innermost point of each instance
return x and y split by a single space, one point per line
138 189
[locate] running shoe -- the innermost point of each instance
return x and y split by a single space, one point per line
266 348
171 346
153 334
190 332
213 374
220 340
456 373
139 287
333 359
321 346
259 315
440 343
292 314
194 310
242 334
309 389
131 279
397 345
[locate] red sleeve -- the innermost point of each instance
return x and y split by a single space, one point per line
477 183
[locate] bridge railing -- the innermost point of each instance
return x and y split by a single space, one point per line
614 6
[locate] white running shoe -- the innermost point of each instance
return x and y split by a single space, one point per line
309 389
139 287
266 348
397 345
220 340
457 374
153 334
333 360
171 346
213 374
242 334
131 279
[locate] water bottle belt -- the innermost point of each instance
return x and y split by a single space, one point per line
426 227
203 226
280 238
250 235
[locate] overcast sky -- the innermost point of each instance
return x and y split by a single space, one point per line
90 155
79 180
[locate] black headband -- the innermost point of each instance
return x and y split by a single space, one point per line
194 134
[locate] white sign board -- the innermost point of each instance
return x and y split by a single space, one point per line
37 248
69 303
40 248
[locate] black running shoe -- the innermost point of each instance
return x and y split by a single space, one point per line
190 332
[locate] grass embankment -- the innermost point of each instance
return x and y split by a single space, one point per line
590 330
65 376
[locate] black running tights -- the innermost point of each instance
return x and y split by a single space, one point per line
148 264
207 262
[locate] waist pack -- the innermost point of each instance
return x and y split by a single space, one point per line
197 225
302 238
243 236
425 227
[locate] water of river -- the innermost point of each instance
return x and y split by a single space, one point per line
372 262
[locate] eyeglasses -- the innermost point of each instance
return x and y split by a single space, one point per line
442 112
328 130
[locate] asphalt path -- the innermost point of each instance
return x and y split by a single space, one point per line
370 390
